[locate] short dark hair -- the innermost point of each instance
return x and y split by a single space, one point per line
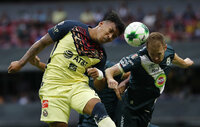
113 17
154 37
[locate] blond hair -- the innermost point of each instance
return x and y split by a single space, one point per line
156 37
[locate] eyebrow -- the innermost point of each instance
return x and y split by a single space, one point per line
111 29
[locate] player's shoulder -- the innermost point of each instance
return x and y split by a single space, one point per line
170 49
142 51
132 59
72 23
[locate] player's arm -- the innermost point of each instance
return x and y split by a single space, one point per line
183 63
112 83
100 84
110 73
98 78
126 75
35 61
32 52
124 84
54 34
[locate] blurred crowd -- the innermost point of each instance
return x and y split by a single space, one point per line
28 27
22 88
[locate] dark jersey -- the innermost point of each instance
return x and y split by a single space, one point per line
147 80
107 95
108 98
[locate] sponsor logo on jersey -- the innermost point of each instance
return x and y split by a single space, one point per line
45 113
160 80
72 67
80 60
68 54
126 61
55 30
154 68
45 104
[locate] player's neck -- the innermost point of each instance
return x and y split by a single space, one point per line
93 33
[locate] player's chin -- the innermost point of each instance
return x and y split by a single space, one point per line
107 40
157 62
104 41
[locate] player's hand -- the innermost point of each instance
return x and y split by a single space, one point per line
113 84
121 87
117 92
15 66
35 61
188 61
93 72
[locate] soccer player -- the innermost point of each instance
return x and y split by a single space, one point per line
65 82
149 69
108 98
107 95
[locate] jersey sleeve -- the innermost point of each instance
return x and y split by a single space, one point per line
60 30
170 51
126 64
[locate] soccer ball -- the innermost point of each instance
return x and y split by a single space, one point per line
136 34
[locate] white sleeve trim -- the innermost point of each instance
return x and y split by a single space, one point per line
120 68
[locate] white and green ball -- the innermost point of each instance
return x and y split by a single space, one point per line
136 34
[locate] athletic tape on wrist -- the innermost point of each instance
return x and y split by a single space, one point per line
100 77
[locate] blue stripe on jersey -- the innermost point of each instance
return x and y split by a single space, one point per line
62 29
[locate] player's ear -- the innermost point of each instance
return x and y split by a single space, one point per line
165 47
100 23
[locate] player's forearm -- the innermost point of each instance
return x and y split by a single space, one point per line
100 84
112 71
183 63
35 49
109 73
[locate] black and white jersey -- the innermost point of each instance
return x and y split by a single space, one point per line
147 80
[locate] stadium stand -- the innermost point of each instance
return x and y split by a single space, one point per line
22 23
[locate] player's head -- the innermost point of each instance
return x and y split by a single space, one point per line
109 28
156 47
